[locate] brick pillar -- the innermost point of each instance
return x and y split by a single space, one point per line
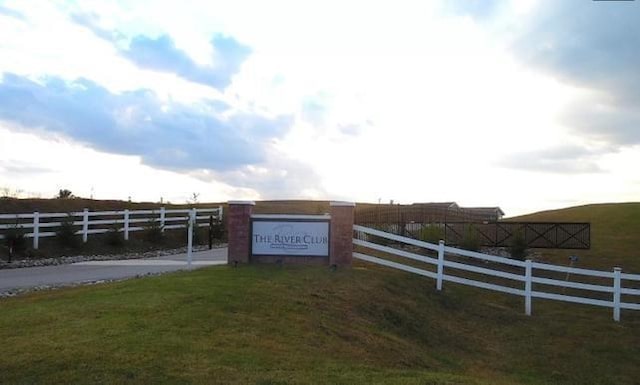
238 228
341 249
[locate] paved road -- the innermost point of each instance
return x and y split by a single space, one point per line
104 270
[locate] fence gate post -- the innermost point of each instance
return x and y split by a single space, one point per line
192 220
85 225
36 229
440 265
527 286
162 213
617 285
126 225
210 231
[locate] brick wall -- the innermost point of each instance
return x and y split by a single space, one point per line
341 248
238 225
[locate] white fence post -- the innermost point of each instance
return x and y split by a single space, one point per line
440 265
162 214
220 213
126 225
617 285
36 229
527 286
192 220
85 225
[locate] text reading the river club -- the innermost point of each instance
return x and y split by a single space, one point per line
294 238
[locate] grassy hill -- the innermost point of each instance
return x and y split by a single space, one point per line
615 234
307 325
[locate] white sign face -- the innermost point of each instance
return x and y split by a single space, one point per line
290 238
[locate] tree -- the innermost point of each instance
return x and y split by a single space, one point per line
518 246
193 199
65 194
7 192
66 233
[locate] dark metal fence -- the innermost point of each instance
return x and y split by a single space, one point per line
455 225
548 235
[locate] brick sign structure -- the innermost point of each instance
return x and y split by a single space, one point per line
283 238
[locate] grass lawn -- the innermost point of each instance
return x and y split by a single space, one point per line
307 325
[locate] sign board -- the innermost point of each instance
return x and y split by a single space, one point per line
290 235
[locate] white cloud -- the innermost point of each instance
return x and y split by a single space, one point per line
410 103
86 172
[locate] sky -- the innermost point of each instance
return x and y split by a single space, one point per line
523 104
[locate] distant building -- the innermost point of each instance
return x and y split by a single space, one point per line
438 205
426 212
432 212
451 212
484 214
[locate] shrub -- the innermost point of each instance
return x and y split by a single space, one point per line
218 232
113 237
470 239
432 233
15 239
64 194
518 246
153 231
200 235
66 233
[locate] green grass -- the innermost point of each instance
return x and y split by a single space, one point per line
304 325
615 234
307 325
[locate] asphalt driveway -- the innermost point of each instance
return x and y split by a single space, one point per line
92 271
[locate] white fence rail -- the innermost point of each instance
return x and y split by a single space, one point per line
524 275
39 225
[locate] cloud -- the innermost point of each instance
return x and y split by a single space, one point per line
280 178
11 13
162 54
594 46
320 111
16 167
350 129
314 111
605 120
164 134
567 159
91 21
478 9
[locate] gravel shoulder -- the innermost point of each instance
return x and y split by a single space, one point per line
65 260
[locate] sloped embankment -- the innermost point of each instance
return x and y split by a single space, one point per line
290 325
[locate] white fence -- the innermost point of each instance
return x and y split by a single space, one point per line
525 277
40 225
